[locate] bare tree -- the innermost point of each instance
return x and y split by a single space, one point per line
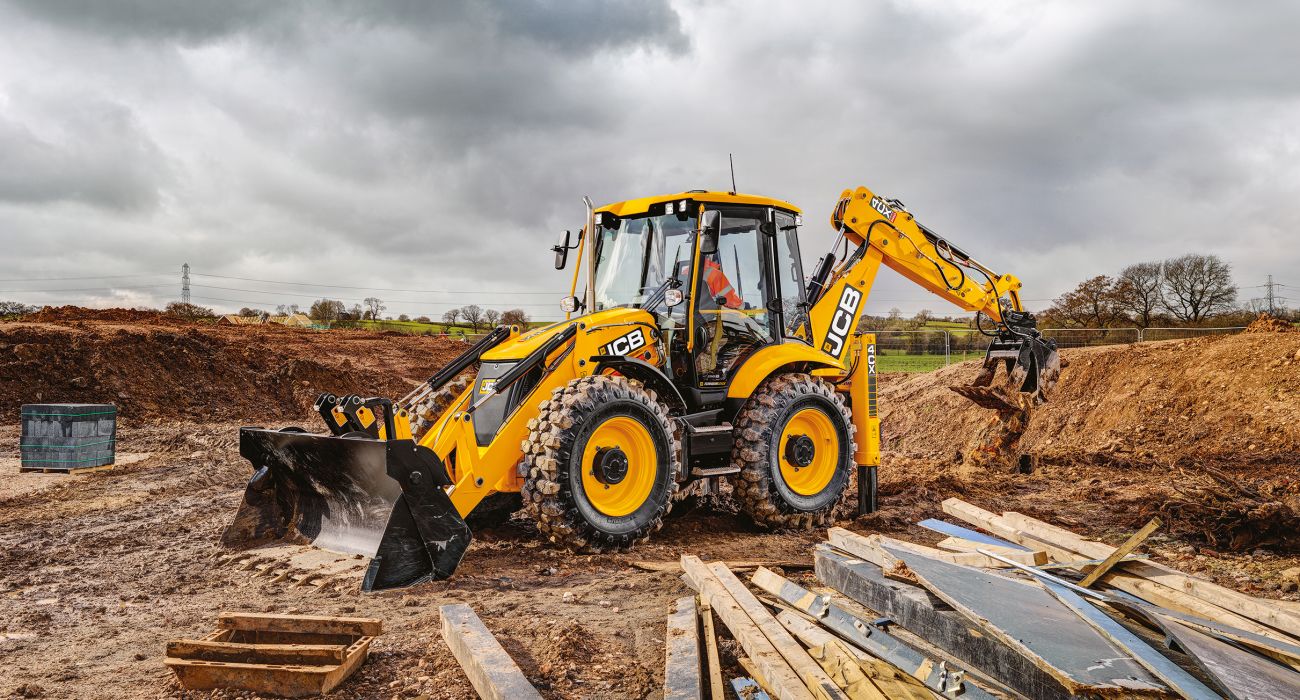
450 315
1093 304
189 311
1197 286
374 307
293 309
491 317
473 315
1139 290
515 317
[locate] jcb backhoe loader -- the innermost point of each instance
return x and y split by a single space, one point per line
694 351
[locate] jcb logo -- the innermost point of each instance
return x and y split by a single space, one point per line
625 345
879 205
486 386
842 322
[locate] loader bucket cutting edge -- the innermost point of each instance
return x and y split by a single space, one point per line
383 499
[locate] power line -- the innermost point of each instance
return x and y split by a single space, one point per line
82 289
65 279
371 289
318 296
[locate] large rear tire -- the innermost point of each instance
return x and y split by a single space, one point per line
602 463
794 447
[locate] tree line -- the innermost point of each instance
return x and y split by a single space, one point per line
1188 290
372 309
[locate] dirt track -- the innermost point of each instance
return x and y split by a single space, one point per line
97 572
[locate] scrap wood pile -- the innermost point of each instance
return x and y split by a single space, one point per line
1021 609
1230 513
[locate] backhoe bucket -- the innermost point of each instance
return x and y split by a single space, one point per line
1033 366
382 499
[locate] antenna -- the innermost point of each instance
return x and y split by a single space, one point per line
733 172
185 283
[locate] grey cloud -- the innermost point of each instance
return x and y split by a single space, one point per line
93 153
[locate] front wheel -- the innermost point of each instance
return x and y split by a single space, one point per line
794 447
602 463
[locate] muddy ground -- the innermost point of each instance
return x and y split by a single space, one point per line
97 571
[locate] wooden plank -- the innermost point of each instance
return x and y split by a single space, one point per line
1151 591
892 685
283 680
1240 674
1120 552
296 654
490 669
309 624
946 680
812 674
967 534
675 566
712 663
1029 620
771 668
1167 671
957 544
682 680
861 545
844 670
1228 599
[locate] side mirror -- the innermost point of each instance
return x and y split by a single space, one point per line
710 229
562 249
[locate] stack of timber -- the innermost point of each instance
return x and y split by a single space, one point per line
1032 610
786 654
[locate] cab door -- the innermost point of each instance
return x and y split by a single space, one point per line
734 289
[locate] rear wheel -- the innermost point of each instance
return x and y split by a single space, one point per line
794 447
602 461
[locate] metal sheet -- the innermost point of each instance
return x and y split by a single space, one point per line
1241 674
1030 620
968 534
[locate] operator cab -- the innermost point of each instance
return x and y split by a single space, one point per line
721 273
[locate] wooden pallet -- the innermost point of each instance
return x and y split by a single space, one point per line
287 655
61 470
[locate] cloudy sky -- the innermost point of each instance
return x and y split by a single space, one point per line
440 146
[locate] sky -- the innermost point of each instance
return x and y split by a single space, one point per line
429 153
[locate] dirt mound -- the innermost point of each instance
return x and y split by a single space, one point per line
1268 324
63 314
1157 412
205 372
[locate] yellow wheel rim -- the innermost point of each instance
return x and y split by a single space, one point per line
809 426
619 437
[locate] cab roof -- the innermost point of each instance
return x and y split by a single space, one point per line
632 207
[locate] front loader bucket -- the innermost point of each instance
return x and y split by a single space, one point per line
1033 367
382 499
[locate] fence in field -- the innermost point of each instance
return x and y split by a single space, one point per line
927 349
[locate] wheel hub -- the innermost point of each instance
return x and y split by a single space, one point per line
800 450
610 466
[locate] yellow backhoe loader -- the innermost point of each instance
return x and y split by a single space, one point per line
693 351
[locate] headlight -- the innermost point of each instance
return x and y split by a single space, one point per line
569 304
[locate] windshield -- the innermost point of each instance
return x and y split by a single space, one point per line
638 254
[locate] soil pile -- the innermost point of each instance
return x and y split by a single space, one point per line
175 370
1147 415
63 314
1268 324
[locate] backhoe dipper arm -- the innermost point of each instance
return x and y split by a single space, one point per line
917 253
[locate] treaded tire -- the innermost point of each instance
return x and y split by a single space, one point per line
759 487
552 465
431 409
